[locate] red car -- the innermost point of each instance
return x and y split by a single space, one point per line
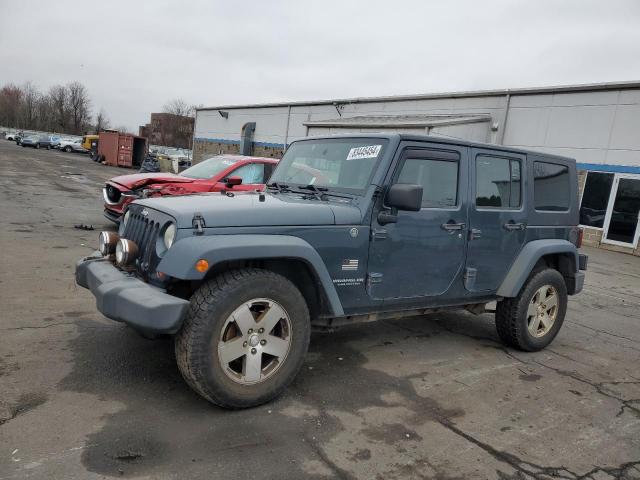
224 172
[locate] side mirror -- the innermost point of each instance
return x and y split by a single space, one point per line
405 196
232 181
401 196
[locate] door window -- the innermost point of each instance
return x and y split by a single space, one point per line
498 182
595 197
439 180
250 173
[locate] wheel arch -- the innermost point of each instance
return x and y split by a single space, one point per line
561 255
289 256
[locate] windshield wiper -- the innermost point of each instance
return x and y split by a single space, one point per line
323 192
281 187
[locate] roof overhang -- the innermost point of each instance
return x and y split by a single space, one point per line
400 121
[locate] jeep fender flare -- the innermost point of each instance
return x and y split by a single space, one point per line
527 259
179 261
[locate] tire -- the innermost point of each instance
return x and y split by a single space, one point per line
518 318
199 345
37 146
67 149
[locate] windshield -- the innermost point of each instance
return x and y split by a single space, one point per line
341 163
209 168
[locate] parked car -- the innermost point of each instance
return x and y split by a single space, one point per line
71 145
36 141
12 136
400 226
224 172
54 140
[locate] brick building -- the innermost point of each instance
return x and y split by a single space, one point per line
598 125
169 130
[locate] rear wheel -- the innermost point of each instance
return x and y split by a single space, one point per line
67 149
244 338
38 146
532 320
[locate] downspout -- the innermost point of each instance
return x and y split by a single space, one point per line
503 123
286 132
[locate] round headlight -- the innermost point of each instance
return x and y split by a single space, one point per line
126 252
107 242
119 253
169 235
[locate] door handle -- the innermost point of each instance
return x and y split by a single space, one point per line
514 226
451 226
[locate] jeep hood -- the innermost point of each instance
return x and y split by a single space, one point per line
246 210
138 180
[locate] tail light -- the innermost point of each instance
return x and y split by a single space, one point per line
579 238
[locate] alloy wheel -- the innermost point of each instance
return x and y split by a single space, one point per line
255 341
542 311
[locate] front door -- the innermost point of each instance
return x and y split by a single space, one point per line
497 217
422 254
621 222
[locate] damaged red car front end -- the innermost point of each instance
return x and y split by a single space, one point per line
211 175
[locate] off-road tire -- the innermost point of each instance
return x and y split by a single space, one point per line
511 313
196 342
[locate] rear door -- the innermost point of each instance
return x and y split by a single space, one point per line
497 217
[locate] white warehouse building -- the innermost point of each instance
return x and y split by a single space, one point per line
598 125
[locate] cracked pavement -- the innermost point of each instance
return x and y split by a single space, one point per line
432 397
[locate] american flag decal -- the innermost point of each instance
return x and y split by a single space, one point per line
349 265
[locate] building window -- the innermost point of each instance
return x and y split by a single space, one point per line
551 186
595 198
439 180
498 182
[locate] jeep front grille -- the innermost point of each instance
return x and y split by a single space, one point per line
144 232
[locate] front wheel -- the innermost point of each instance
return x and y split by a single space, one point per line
532 320
244 338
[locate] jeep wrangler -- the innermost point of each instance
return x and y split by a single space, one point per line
351 228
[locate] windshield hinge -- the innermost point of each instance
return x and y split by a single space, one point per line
198 223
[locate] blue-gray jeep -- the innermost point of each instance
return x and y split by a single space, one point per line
351 228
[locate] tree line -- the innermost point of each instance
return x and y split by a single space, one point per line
62 109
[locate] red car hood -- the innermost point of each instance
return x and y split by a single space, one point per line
138 180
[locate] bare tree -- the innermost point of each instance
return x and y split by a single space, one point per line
123 129
80 106
178 106
59 99
30 96
102 121
10 102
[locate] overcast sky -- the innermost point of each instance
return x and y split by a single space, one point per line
133 56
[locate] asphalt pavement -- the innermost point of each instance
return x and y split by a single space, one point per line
82 397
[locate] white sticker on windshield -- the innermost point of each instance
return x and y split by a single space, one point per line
369 151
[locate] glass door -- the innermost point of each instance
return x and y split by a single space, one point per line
624 207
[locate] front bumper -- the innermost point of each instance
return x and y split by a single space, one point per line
112 215
125 298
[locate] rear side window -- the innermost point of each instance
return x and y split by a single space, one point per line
551 187
498 182
439 180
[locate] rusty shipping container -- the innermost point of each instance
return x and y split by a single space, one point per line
122 149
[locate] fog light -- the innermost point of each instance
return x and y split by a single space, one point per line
107 242
126 252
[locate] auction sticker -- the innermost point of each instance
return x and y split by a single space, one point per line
369 151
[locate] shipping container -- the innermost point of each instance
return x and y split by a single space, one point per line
122 149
